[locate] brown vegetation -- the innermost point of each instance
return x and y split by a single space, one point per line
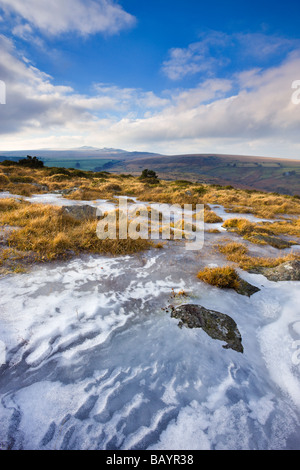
264 233
238 253
89 186
224 277
47 233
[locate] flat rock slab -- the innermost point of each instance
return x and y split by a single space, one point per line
271 240
217 325
80 212
289 271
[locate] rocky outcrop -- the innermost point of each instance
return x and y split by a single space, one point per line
289 271
271 240
244 288
66 191
80 212
217 325
41 187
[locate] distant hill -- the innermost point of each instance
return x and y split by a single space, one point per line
261 173
247 172
85 158
78 152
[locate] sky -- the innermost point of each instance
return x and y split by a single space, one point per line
165 76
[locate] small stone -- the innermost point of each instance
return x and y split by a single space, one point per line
244 288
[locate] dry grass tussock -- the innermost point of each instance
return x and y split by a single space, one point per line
284 227
224 277
211 217
263 205
48 233
238 253
264 232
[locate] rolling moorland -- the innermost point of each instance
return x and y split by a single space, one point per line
264 174
247 172
78 185
141 344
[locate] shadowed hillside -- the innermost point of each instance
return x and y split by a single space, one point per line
266 174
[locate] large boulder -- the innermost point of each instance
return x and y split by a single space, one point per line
217 325
80 212
288 271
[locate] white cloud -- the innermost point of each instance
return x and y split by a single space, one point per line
35 105
251 113
188 61
217 49
22 30
197 57
259 118
263 46
82 16
131 99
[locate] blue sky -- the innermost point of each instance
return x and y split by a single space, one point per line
165 76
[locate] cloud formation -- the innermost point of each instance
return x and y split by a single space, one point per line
217 50
249 113
56 17
261 109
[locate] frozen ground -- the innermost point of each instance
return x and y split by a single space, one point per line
91 361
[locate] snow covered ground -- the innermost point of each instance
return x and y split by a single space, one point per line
89 360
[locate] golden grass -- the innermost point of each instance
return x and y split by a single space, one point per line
243 227
224 277
91 186
4 180
211 217
45 233
263 205
288 227
9 204
238 253
85 194
48 233
12 260
264 232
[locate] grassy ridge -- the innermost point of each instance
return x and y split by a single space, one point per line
44 233
266 174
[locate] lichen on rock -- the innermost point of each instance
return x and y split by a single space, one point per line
217 325
288 271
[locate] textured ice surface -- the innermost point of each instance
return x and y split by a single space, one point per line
89 360
92 362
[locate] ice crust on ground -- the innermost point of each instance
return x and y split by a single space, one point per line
89 360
